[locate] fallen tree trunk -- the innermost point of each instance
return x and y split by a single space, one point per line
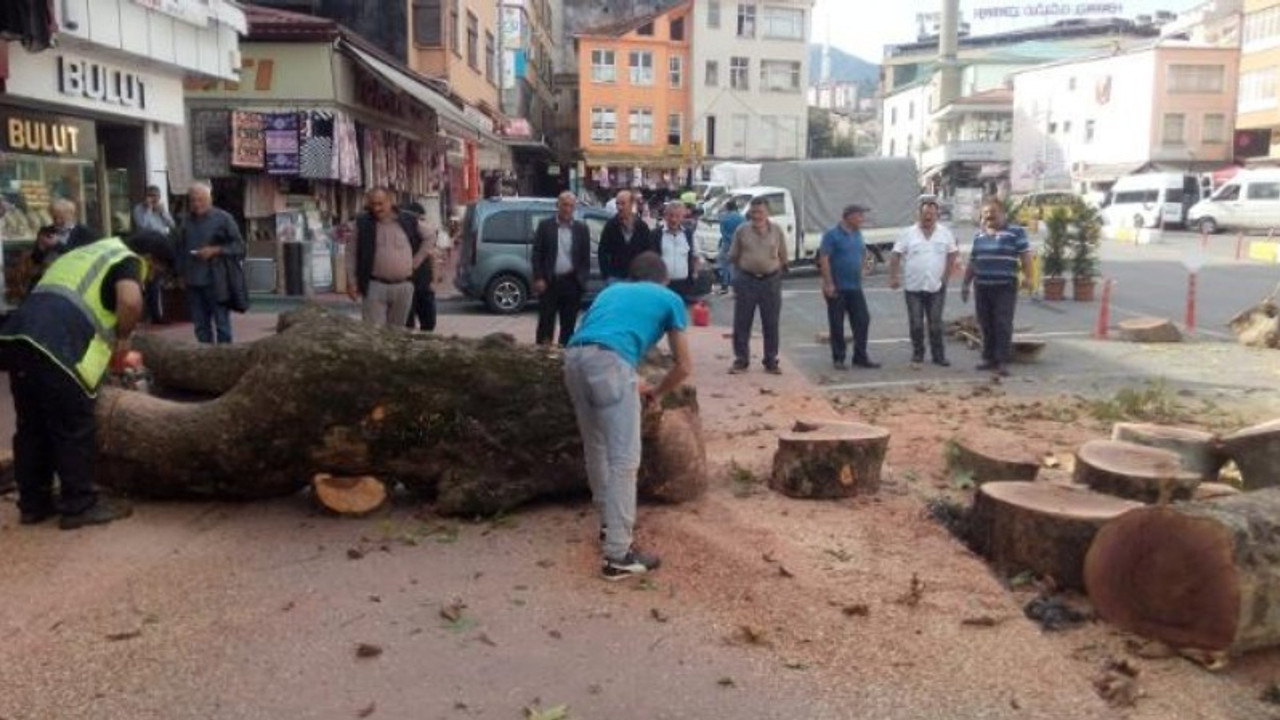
1256 451
829 459
1198 451
1149 330
481 426
1041 527
1133 471
1258 326
1193 575
992 456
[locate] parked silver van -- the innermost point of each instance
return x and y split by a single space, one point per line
1248 201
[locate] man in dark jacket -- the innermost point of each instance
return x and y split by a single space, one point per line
63 236
207 234
388 252
623 238
422 314
561 266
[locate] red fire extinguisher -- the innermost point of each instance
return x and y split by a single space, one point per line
701 314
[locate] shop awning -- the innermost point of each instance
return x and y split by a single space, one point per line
993 171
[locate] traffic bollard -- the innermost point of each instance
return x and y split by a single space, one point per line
1191 303
1104 312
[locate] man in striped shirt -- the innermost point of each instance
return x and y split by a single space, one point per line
998 248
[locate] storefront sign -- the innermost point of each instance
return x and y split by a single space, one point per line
40 134
102 83
1049 10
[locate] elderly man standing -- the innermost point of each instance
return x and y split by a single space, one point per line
928 253
153 214
674 242
389 249
840 257
207 233
759 258
64 235
623 238
561 266
998 248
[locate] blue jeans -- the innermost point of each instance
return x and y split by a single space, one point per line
606 398
208 315
723 267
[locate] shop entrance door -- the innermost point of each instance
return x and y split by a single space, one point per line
123 169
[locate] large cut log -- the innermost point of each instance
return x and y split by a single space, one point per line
482 426
1042 527
829 459
1258 326
1198 451
1149 330
1196 575
349 495
992 455
1133 471
1256 451
1211 490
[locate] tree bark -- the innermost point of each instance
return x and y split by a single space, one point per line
1198 451
1149 330
1200 575
349 495
481 426
1256 451
1133 472
829 460
992 457
1258 326
1041 527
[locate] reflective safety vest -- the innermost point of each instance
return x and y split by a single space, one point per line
64 317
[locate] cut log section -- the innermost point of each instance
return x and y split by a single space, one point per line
1133 472
349 495
829 460
1198 451
1149 330
1041 527
1256 451
1211 490
1258 326
1193 575
679 473
990 456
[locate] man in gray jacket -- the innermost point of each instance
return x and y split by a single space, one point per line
207 233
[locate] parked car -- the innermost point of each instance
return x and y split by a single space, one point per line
1249 201
1039 205
495 264
1151 199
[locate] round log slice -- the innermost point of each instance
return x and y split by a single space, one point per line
1198 450
1256 451
1042 527
829 459
1193 575
1149 330
349 495
992 455
1133 471
1211 490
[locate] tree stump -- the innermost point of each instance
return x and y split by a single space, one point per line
1041 527
1198 451
829 459
679 473
1193 575
1256 451
1133 472
349 495
1149 330
991 455
481 426
1258 326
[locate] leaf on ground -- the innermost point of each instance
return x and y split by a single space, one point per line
484 638
367 710
559 712
124 635
453 611
981 621
796 665
914 593
368 650
751 635
354 553
659 615
726 682
856 610
784 572
648 584
1026 578
839 554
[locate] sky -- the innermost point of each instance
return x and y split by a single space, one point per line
857 28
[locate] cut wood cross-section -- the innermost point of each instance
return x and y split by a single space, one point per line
829 459
349 495
1256 451
1193 575
992 455
1198 451
1134 472
1149 330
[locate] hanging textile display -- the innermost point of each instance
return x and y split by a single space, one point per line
248 145
347 164
318 154
262 197
281 140
211 143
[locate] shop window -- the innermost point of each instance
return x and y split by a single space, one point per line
427 22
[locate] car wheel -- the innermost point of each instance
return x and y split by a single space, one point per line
506 294
1208 225
1138 222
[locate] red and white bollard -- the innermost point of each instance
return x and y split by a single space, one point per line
1191 303
1104 312
1239 244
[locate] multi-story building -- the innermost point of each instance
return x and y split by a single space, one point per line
525 90
634 104
1081 124
1258 102
749 78
839 97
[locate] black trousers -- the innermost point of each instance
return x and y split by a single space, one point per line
852 303
749 294
55 434
422 313
926 307
994 305
563 300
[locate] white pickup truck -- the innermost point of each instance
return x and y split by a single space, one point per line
805 198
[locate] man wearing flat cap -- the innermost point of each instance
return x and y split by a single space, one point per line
840 257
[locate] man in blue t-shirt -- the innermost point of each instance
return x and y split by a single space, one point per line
998 249
731 218
840 258
624 323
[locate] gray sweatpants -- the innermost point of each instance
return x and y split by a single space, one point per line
387 304
606 398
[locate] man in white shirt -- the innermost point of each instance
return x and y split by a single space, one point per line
922 260
675 243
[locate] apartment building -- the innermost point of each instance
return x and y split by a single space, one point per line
750 76
1258 102
527 103
634 100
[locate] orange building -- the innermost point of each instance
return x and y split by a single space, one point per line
634 100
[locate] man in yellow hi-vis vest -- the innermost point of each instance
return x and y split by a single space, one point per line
57 346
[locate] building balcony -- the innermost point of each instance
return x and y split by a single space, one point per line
966 151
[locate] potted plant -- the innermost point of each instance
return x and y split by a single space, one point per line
1085 236
1053 255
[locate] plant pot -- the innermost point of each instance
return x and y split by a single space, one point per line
1082 289
1055 288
